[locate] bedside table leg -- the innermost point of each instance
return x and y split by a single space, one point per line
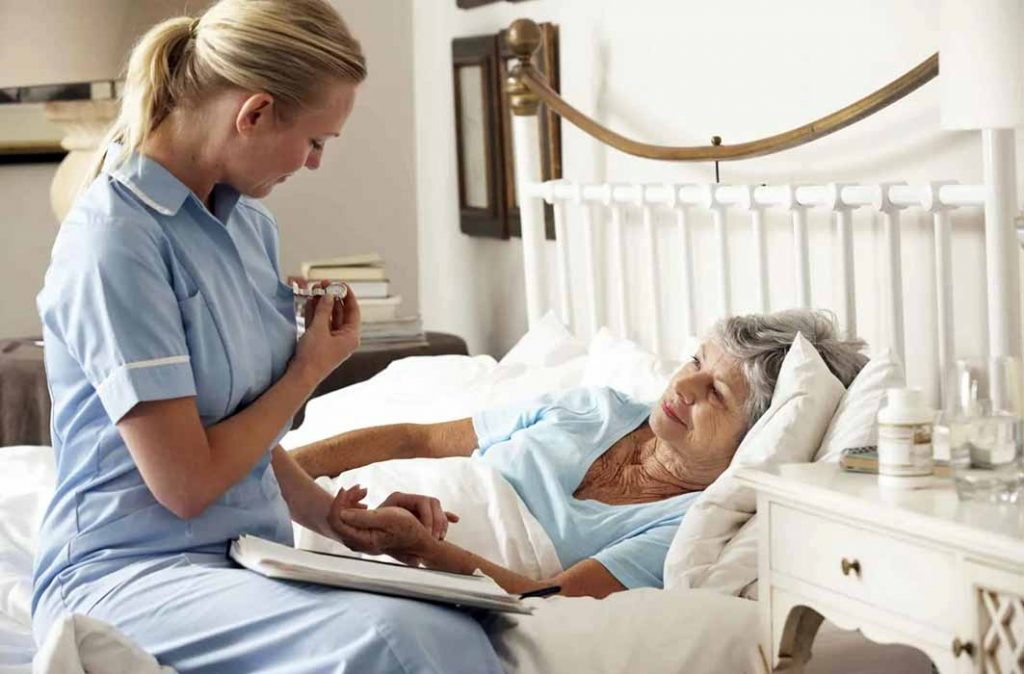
801 627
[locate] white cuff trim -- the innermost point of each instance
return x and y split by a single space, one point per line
154 362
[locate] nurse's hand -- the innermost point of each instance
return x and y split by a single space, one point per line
321 349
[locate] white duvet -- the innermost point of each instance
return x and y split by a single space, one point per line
644 630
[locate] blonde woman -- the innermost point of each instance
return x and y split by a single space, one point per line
174 370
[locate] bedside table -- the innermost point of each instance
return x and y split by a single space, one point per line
918 567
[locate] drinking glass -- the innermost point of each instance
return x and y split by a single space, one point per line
994 433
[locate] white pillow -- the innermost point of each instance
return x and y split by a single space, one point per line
429 389
627 367
545 344
494 523
643 630
806 395
855 421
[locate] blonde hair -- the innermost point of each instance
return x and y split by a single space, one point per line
285 48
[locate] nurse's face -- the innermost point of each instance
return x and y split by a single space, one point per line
271 145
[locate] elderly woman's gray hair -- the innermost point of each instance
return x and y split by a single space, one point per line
760 342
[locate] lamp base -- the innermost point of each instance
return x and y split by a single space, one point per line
85 124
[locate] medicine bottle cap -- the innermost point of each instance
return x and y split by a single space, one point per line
906 398
905 405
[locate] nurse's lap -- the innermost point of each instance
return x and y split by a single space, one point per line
205 619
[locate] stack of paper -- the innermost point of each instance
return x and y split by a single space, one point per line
279 561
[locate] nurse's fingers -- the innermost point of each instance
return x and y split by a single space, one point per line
324 305
360 540
350 313
348 499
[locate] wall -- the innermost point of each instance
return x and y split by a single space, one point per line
363 198
678 72
28 230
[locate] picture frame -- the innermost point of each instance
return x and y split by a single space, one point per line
546 61
478 135
27 136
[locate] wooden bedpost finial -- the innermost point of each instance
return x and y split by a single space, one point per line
523 38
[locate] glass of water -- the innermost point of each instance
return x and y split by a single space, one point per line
994 434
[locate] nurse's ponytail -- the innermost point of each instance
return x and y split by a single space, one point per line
286 48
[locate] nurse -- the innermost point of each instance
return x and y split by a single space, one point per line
174 369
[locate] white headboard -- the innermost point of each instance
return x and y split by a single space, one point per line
646 286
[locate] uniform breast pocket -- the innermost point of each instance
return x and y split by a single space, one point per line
210 365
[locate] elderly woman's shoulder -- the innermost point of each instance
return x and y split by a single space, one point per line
594 398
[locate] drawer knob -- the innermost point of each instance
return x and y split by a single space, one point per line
962 647
850 566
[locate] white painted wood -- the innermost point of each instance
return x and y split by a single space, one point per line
802 254
590 268
724 273
811 196
1001 247
562 253
757 229
882 560
526 130
686 261
922 554
654 275
847 275
944 307
619 256
894 265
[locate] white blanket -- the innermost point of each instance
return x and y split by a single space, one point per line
638 631
494 522
79 644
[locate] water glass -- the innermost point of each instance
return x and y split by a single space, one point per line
993 436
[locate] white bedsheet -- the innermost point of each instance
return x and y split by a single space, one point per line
26 483
494 522
643 630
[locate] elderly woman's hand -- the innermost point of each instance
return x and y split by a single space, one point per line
391 529
427 510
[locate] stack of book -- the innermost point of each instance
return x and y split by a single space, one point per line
367 276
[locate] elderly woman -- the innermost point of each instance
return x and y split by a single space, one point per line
609 478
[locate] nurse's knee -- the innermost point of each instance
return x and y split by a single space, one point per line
408 620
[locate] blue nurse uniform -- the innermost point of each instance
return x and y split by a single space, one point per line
150 296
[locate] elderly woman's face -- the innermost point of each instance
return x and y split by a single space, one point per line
701 416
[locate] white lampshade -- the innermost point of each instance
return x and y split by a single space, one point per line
981 63
65 41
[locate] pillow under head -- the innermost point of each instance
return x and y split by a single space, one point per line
805 398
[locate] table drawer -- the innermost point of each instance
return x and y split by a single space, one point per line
885 571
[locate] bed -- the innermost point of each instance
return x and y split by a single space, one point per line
603 309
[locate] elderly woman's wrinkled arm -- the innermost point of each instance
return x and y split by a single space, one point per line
399 533
354 449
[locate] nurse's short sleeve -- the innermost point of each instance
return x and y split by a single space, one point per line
108 297
639 561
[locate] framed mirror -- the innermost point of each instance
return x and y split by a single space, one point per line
478 136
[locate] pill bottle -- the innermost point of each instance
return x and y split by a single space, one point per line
905 440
